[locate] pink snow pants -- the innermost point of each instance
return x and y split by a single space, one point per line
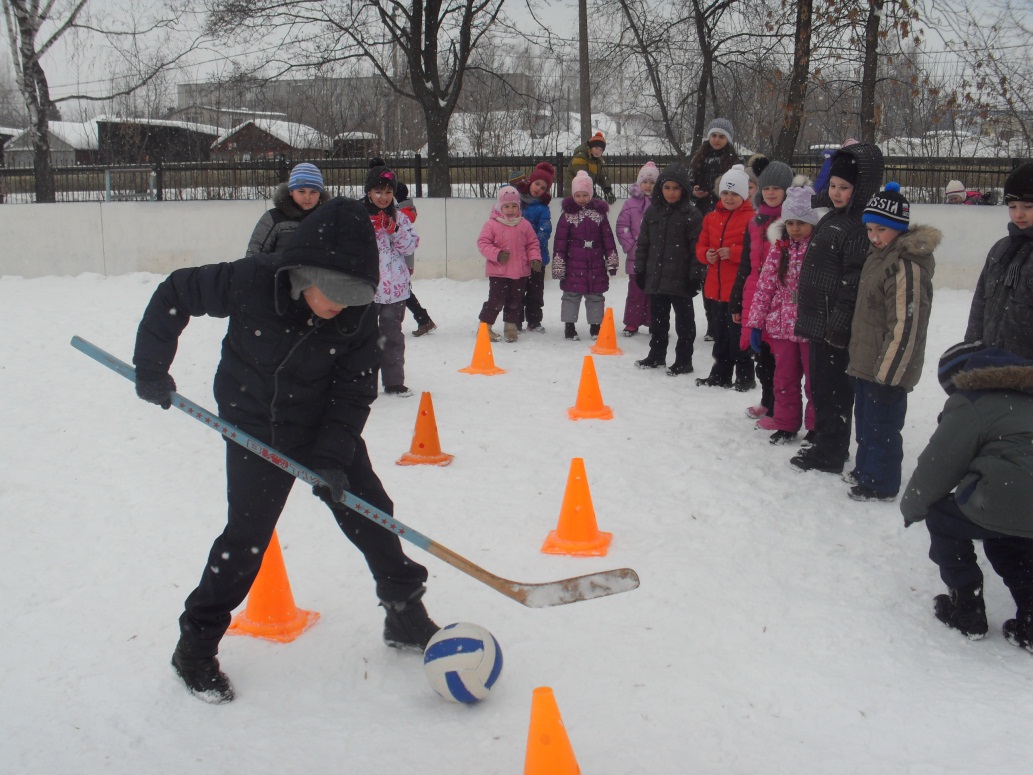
791 364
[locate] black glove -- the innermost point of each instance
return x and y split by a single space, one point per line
608 195
640 280
156 390
336 486
837 339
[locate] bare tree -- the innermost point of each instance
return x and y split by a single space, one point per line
991 38
800 72
33 28
420 48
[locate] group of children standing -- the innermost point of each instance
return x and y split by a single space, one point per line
392 213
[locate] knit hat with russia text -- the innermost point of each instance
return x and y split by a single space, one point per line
888 208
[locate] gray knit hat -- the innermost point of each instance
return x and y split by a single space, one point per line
776 173
723 127
339 287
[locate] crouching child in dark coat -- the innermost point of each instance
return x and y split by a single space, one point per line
298 372
974 481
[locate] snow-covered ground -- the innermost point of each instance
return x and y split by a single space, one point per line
779 628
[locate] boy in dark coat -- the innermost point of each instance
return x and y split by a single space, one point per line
666 268
299 372
1002 313
828 289
974 482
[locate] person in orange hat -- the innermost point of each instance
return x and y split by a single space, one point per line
589 157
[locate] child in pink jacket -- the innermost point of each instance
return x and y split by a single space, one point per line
772 315
510 245
636 308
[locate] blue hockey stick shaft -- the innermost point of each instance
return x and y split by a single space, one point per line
541 595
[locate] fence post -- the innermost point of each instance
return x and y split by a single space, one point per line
418 162
284 168
559 174
159 181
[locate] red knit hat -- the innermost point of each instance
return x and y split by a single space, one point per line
597 139
543 171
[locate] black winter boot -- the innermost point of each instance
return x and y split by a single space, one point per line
680 367
202 675
1019 631
593 330
569 332
963 610
651 362
407 624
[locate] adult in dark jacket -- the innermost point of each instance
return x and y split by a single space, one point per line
292 201
1002 306
299 372
974 482
666 268
828 290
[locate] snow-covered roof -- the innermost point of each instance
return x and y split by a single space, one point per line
356 136
80 135
206 129
294 135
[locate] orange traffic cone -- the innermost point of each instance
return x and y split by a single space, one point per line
270 612
483 361
548 747
589 404
425 448
577 533
606 343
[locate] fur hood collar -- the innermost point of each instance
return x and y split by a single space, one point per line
995 370
919 240
282 201
572 207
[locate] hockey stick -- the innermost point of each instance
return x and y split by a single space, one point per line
542 595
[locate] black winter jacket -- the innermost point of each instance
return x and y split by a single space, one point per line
286 377
837 251
666 249
1002 306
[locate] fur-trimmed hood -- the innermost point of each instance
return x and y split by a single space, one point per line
282 201
570 206
985 372
919 241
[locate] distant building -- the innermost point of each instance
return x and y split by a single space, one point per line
145 141
71 143
265 139
356 145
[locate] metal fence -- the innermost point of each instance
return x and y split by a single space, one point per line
922 179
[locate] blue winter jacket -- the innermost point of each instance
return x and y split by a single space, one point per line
537 212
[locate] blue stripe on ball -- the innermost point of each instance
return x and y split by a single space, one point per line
450 646
458 689
497 667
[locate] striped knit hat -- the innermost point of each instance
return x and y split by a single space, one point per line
305 175
953 361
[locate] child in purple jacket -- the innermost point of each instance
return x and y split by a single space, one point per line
629 222
584 257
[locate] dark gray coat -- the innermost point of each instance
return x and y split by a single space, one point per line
1002 306
982 449
837 251
279 223
666 249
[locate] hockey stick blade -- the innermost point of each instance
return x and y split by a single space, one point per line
542 595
